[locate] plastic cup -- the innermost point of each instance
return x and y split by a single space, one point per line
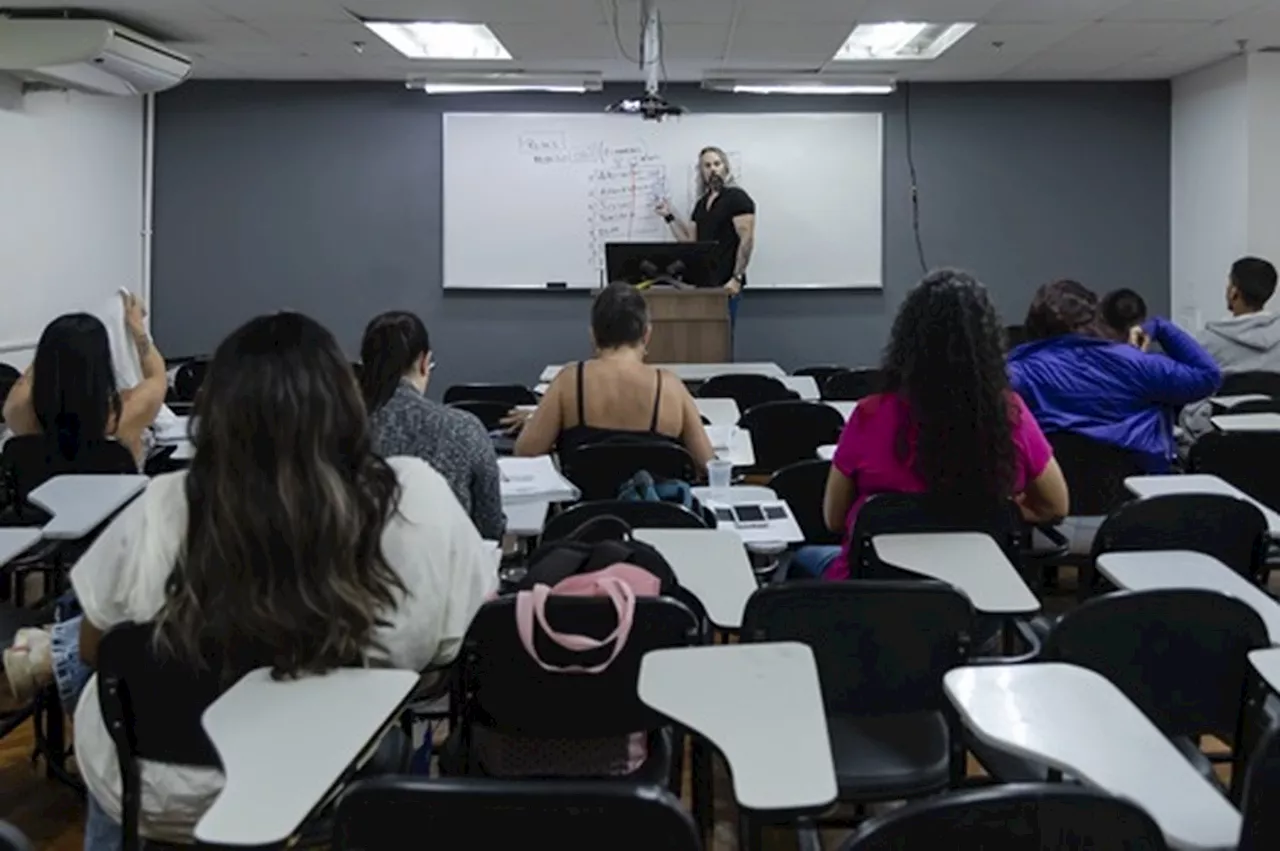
719 477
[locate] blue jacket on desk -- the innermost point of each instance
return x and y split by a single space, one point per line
1113 392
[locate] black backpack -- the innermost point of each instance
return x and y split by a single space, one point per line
593 546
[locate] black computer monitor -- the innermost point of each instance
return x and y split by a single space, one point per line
638 262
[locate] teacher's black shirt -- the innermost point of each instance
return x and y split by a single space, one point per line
715 224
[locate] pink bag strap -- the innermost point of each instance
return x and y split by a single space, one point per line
531 605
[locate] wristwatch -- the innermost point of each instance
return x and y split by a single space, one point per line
737 278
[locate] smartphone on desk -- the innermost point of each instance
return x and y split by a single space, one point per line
750 515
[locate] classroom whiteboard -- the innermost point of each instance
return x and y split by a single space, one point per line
532 199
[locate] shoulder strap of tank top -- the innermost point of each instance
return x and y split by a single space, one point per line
657 401
582 406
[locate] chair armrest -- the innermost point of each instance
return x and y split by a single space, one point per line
1059 547
1030 640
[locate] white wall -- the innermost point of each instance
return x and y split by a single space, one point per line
1264 156
1209 186
72 209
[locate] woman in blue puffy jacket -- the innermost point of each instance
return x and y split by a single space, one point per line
1075 377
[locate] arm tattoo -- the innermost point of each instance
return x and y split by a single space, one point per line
143 342
744 255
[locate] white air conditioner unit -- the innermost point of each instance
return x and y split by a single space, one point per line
97 57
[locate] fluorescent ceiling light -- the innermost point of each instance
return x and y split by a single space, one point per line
812 89
440 40
899 40
466 88
446 83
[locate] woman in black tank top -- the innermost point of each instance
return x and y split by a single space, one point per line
620 331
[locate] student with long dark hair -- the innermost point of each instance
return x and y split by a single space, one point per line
289 543
946 424
69 393
395 370
1076 377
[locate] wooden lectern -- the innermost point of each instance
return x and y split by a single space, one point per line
689 326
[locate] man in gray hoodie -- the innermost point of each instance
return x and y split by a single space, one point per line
1247 341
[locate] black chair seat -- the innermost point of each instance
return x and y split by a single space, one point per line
898 756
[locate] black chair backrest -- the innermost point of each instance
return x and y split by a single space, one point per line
636 514
378 814
1095 472
29 461
881 647
1016 817
852 385
747 390
151 705
1231 530
601 469
786 432
898 513
1254 406
820 373
802 486
489 413
188 378
514 694
1247 383
12 839
1015 335
508 394
1261 831
1248 460
1180 654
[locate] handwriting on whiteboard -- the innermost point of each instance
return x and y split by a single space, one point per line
624 184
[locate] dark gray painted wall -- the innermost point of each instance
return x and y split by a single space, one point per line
325 197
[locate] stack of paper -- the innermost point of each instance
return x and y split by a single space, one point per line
534 480
174 431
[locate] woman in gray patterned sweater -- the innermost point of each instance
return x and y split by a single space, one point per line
396 366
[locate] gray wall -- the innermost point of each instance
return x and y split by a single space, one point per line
325 198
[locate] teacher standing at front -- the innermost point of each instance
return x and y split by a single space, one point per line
724 215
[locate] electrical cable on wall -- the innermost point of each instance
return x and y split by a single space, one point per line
915 185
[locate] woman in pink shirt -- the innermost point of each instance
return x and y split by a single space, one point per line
946 424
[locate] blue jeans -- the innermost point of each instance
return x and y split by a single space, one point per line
734 301
101 832
69 670
812 561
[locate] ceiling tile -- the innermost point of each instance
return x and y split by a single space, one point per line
487 11
1039 11
928 10
685 11
1158 67
803 11
1258 29
1183 10
562 41
811 43
1016 39
1127 38
295 10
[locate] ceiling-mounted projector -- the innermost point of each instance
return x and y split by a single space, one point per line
652 107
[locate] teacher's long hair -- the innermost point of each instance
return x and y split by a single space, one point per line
729 180
946 358
282 564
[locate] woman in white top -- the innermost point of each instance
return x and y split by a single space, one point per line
289 543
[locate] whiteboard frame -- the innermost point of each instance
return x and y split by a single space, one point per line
863 287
